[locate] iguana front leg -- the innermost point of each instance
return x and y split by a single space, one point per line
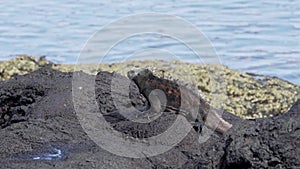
179 98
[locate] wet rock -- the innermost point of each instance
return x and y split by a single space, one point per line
51 124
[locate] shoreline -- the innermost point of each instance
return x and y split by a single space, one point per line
246 95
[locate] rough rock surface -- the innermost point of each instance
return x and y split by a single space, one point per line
246 95
50 123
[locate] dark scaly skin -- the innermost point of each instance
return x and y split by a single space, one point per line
179 99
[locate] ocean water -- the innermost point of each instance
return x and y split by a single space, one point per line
253 36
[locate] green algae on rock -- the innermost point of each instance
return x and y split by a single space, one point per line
247 95
21 65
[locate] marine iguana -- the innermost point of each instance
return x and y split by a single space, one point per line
179 98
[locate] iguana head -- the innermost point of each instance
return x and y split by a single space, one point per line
139 75
139 72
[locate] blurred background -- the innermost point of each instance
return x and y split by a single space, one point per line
252 36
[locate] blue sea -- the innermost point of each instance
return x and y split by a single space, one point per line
252 36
